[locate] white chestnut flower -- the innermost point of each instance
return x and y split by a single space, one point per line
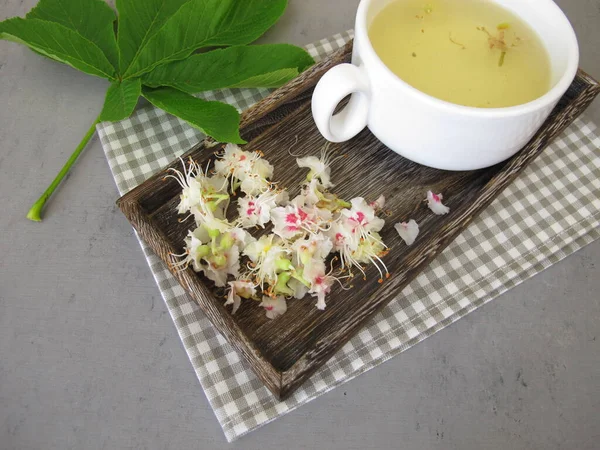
253 184
434 201
274 307
269 257
205 217
237 290
378 204
300 289
234 162
315 246
290 261
250 169
261 166
319 167
310 193
371 250
408 231
240 237
197 188
195 250
361 217
256 211
320 281
226 262
290 221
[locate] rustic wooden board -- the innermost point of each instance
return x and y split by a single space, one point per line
286 351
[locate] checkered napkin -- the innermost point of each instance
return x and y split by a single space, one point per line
549 212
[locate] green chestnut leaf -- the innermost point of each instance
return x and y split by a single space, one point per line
149 50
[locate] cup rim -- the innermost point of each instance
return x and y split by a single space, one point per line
545 100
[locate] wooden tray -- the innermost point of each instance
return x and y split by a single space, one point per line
286 351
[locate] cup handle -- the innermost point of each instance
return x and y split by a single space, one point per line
334 86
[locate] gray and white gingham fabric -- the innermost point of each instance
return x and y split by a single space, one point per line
549 212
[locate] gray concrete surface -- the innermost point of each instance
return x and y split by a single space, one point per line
89 358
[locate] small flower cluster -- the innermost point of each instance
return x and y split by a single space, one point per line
291 260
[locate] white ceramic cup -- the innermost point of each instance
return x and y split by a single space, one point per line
431 131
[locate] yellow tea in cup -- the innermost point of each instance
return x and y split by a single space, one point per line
468 52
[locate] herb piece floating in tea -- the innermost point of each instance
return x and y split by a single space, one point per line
152 55
295 259
499 41
455 42
502 56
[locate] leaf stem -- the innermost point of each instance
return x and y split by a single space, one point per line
35 213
